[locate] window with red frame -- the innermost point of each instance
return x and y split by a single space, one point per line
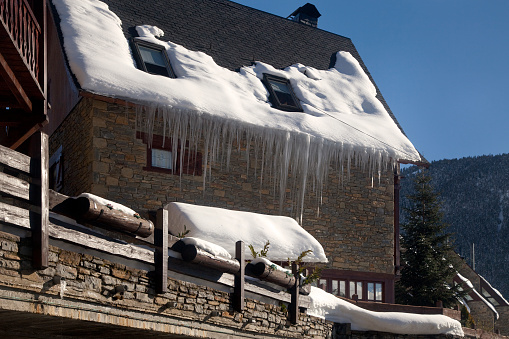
365 290
161 158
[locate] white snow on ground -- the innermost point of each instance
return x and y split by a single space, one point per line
342 122
114 205
225 227
326 305
207 246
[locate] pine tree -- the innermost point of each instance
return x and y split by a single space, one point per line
426 276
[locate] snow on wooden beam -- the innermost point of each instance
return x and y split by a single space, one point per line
85 209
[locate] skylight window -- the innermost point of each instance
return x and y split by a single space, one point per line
152 58
281 93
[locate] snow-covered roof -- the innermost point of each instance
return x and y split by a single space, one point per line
340 104
494 290
477 294
225 227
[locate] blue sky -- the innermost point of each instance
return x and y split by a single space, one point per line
442 65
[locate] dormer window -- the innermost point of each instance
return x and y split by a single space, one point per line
152 58
281 93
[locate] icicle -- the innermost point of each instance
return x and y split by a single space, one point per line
285 159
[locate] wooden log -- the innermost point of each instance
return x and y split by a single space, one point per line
265 272
191 253
84 209
269 274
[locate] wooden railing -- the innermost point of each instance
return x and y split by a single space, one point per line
24 194
19 20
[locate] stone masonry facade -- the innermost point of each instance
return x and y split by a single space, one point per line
92 279
355 223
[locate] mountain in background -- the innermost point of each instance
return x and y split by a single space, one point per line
475 196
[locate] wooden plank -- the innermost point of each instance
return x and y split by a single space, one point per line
93 242
14 159
14 215
238 292
14 186
39 149
294 305
161 255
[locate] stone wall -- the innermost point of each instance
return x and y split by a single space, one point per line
77 131
502 324
91 279
483 315
354 224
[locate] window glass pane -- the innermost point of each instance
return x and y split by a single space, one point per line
378 291
342 288
371 291
323 284
468 298
493 301
152 56
334 287
280 87
359 289
161 158
283 93
352 289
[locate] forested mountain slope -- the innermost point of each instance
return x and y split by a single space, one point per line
475 196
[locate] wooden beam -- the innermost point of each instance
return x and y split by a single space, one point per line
100 215
27 130
294 305
190 253
267 273
39 151
12 81
161 255
238 288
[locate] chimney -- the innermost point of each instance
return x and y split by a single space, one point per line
307 14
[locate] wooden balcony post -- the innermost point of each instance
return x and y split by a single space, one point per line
161 254
39 196
294 305
238 293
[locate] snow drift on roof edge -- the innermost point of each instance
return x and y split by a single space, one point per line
339 104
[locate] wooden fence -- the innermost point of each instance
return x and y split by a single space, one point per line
25 203
24 188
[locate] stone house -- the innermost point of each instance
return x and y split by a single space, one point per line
270 143
487 306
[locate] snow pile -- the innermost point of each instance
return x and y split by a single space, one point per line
328 306
342 122
207 246
112 204
225 227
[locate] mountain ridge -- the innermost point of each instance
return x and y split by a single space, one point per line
475 201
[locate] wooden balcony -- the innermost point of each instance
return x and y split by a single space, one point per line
22 69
